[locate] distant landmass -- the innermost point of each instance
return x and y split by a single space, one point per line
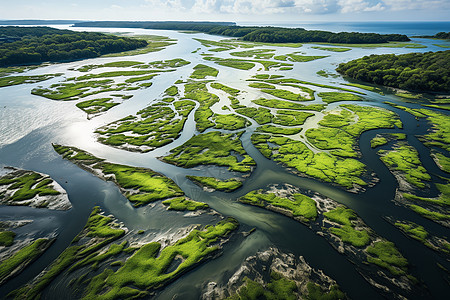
439 36
257 33
428 71
32 45
38 22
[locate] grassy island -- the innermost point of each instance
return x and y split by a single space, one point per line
99 231
139 185
22 258
346 229
201 71
419 233
152 127
339 225
148 268
183 203
341 128
198 91
297 206
346 172
386 255
405 160
217 184
213 148
15 80
29 188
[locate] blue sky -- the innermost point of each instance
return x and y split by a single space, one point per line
230 10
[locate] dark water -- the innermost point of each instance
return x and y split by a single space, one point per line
31 124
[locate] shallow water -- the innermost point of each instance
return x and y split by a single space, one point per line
29 124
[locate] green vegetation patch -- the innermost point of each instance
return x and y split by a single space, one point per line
297 58
19 186
201 71
383 139
413 230
183 203
171 91
278 130
346 231
330 97
139 185
295 154
197 91
227 89
405 160
315 292
15 80
442 200
281 104
332 49
114 64
291 118
98 232
288 95
366 87
296 82
442 161
232 63
229 122
260 115
96 106
23 257
7 238
386 255
212 148
298 206
255 53
148 268
430 214
420 234
155 43
154 126
74 90
228 185
279 287
378 141
341 128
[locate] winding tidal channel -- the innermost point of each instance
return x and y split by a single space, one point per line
30 124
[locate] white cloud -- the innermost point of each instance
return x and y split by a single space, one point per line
291 7
397 5
349 6
115 6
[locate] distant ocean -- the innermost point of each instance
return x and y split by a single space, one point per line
408 28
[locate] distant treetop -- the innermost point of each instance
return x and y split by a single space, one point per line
32 45
258 34
413 71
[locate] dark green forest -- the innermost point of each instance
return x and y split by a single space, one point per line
32 45
259 34
439 35
428 71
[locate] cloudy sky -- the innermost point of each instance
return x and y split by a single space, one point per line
230 10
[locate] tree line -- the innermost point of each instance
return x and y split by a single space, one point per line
439 35
428 71
259 34
31 45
